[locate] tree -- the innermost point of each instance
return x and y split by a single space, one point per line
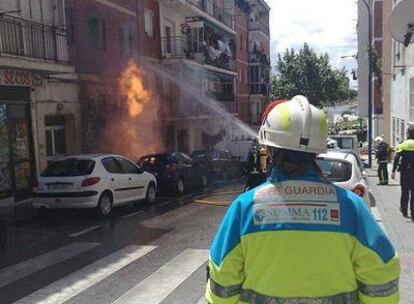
309 74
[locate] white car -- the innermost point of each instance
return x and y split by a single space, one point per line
344 170
100 181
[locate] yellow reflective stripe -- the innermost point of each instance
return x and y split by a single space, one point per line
378 290
223 291
283 110
253 297
407 145
324 125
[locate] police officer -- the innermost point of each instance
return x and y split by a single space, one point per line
298 238
404 159
256 169
382 153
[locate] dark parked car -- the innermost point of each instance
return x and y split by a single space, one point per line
174 171
218 163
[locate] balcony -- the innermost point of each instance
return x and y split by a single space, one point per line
180 47
27 39
260 27
259 89
191 8
184 107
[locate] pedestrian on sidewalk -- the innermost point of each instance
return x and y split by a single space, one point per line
298 238
404 159
382 153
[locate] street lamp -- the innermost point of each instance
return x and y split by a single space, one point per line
369 135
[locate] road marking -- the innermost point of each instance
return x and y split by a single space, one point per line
75 283
211 202
84 231
131 214
32 265
225 193
162 282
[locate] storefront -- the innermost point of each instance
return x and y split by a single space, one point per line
17 167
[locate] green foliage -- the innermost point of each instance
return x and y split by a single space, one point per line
309 74
377 67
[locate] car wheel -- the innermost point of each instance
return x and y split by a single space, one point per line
105 204
179 186
151 194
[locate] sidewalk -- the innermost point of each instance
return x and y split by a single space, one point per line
399 229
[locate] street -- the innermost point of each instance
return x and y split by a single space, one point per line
153 254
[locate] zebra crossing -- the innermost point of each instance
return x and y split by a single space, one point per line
152 289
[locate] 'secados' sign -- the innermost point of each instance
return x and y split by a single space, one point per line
20 78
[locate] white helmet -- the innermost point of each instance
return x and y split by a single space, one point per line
295 125
379 139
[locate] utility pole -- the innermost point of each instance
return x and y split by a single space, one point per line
369 135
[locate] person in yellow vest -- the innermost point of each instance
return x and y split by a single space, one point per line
298 238
404 159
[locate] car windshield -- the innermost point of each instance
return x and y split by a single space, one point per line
345 143
69 167
335 170
155 161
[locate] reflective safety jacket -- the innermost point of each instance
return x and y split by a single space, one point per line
405 159
301 241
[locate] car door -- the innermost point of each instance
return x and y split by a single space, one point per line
192 168
136 180
116 178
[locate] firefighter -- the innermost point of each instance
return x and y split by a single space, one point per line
404 159
298 238
256 166
382 153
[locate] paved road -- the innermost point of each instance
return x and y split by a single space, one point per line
154 254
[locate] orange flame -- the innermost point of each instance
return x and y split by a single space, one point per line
132 86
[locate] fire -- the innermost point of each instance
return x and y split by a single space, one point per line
132 86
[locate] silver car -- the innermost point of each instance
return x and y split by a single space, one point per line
344 169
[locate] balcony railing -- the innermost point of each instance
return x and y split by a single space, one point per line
259 89
211 8
183 48
259 26
24 38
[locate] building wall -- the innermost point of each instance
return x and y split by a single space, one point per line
386 70
362 33
242 64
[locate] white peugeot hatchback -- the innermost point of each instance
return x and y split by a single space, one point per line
100 181
345 170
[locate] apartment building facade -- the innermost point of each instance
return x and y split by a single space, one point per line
401 69
376 9
198 47
39 108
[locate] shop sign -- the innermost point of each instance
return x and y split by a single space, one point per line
21 78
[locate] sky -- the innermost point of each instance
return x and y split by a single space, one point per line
327 25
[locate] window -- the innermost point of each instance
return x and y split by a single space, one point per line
127 166
55 136
149 23
411 100
335 170
69 167
70 25
125 39
110 165
97 32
